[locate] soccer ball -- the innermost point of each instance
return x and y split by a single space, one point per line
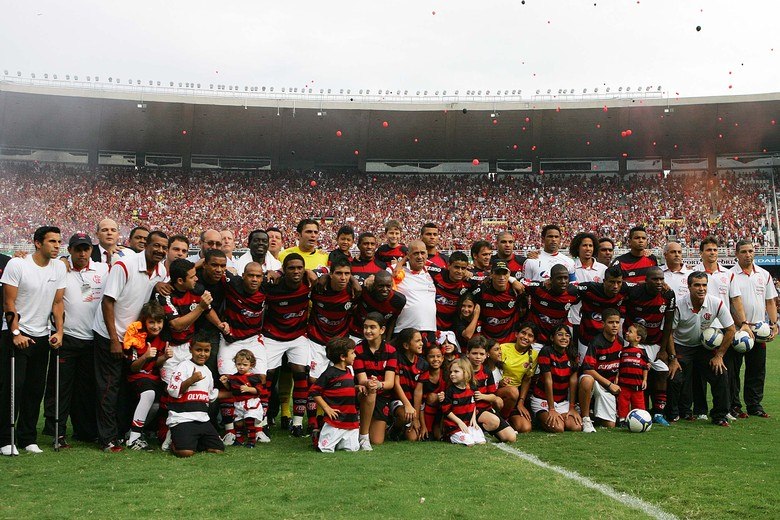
639 421
762 330
711 338
742 342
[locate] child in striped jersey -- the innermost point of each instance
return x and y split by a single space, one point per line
430 385
459 408
632 375
409 345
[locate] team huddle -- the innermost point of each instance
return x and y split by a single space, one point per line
398 341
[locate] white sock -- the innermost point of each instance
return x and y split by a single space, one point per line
134 436
297 420
363 437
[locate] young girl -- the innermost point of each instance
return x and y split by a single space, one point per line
485 391
375 366
459 408
494 363
409 344
146 352
467 322
244 404
519 362
555 391
448 345
426 394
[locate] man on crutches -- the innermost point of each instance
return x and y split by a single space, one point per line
33 289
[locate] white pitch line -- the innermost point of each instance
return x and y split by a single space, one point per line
624 498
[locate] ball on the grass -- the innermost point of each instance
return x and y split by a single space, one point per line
639 421
711 338
742 342
762 331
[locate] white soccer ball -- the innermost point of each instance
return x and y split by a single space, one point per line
762 331
711 338
742 342
639 421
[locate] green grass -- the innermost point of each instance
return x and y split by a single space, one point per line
692 470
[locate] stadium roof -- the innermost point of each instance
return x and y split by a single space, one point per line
290 132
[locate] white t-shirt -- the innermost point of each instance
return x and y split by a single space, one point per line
36 289
688 325
83 293
420 309
756 288
594 273
130 287
201 392
678 281
538 269
270 264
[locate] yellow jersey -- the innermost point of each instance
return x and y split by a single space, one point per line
517 366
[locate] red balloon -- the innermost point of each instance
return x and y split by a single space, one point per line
495 121
720 136
605 108
730 86
623 133
533 147
598 125
357 153
527 119
625 154
183 132
416 140
475 162
385 124
774 122
587 143
628 132
313 183
338 133
523 129
653 143
514 147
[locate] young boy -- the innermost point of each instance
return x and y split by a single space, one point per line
632 375
336 394
192 389
243 406
485 391
390 252
345 238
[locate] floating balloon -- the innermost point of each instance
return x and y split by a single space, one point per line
357 153
527 119
385 124
533 148
623 133
605 108
514 147
313 183
495 121
598 125
338 133
629 132
475 162
183 132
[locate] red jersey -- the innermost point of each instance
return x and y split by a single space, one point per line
375 363
176 305
499 314
329 314
362 269
387 254
561 369
549 310
485 384
337 389
594 301
287 311
514 263
149 370
243 311
633 365
603 356
408 373
635 267
236 381
390 309
447 295
648 310
459 401
436 263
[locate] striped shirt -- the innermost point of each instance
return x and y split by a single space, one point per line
594 301
498 312
243 311
549 310
560 368
287 310
648 310
176 305
459 401
635 267
633 365
337 389
329 314
409 373
389 308
603 356
375 363
447 294
485 384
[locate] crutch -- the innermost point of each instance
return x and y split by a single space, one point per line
9 318
56 389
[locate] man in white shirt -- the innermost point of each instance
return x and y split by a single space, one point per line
696 312
129 286
675 271
414 282
586 268
758 298
228 246
258 252
33 289
539 268
83 292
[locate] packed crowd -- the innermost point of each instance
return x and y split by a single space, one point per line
728 206
398 342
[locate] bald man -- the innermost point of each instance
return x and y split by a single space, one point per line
413 281
209 239
108 235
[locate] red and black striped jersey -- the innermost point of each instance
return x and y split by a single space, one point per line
409 373
243 311
635 267
429 386
176 305
603 356
560 368
486 384
499 313
390 309
648 310
459 401
478 276
633 365
236 381
549 310
437 263
387 254
375 363
594 301
149 370
514 263
447 295
329 314
362 269
287 310
337 389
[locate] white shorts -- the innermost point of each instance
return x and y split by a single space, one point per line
332 439
318 360
540 405
227 351
652 353
297 351
474 436
604 403
250 408
180 353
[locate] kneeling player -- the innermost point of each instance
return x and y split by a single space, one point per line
335 392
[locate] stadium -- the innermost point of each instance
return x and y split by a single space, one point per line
187 157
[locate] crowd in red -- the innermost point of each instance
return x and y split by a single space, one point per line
467 208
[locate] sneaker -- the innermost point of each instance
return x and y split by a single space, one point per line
587 425
730 417
166 444
285 423
297 431
702 417
33 448
112 447
262 437
139 444
365 445
621 423
249 444
674 419
690 418
63 443
722 422
742 415
658 419
229 439
9 450
760 413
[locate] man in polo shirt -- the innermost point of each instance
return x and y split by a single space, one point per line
308 232
758 298
33 289
108 235
414 282
83 291
675 271
129 286
537 269
696 312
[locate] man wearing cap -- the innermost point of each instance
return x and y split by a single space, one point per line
84 285
499 304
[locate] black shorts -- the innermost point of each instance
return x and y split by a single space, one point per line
143 384
196 436
382 409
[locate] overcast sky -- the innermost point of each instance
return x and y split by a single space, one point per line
417 44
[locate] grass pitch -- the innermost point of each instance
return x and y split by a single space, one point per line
691 470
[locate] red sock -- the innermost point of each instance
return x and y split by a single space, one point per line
300 393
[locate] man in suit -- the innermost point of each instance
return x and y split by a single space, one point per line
108 236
